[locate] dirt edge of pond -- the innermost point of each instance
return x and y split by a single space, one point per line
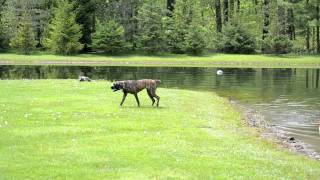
272 133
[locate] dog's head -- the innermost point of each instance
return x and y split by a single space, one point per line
117 86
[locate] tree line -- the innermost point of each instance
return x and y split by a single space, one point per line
153 26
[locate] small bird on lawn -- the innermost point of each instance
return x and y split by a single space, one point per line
219 72
84 78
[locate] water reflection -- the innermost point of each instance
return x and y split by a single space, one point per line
288 98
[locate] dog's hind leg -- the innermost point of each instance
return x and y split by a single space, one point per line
151 97
153 93
123 98
136 95
158 99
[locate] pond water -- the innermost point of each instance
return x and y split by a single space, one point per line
288 98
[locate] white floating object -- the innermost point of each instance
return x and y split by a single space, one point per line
219 72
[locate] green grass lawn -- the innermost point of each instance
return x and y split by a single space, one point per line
63 129
209 60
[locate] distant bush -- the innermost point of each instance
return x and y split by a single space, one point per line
63 32
175 33
195 41
282 44
150 36
24 39
109 37
184 31
236 39
3 39
279 44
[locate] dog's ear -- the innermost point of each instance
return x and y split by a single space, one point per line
121 84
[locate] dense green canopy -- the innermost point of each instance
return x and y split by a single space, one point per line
176 26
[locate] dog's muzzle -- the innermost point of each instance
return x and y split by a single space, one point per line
114 89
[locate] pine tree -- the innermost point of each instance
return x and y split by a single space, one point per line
218 15
177 26
64 33
151 35
109 37
195 41
2 37
86 18
24 39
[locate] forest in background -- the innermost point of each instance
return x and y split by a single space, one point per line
155 26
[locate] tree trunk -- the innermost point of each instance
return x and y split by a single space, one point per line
290 21
218 15
318 29
2 3
266 19
308 39
170 6
231 9
238 6
308 32
313 39
225 11
281 19
255 6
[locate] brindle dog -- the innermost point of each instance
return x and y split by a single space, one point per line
134 87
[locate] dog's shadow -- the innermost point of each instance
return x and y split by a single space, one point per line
143 107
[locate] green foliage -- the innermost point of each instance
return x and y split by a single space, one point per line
85 10
195 41
150 27
109 37
184 31
3 39
24 39
279 44
175 33
64 33
178 26
236 39
147 27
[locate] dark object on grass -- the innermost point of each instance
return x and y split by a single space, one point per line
135 86
84 78
291 138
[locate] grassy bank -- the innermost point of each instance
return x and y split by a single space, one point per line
64 129
209 60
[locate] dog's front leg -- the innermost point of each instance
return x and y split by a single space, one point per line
136 95
123 98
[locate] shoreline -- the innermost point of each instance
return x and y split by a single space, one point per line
271 133
170 60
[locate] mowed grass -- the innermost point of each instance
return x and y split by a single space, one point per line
63 129
207 60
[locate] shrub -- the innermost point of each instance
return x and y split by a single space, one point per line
3 39
64 33
24 39
279 44
150 37
175 33
236 39
109 37
195 41
282 44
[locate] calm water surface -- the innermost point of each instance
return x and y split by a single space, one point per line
288 98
